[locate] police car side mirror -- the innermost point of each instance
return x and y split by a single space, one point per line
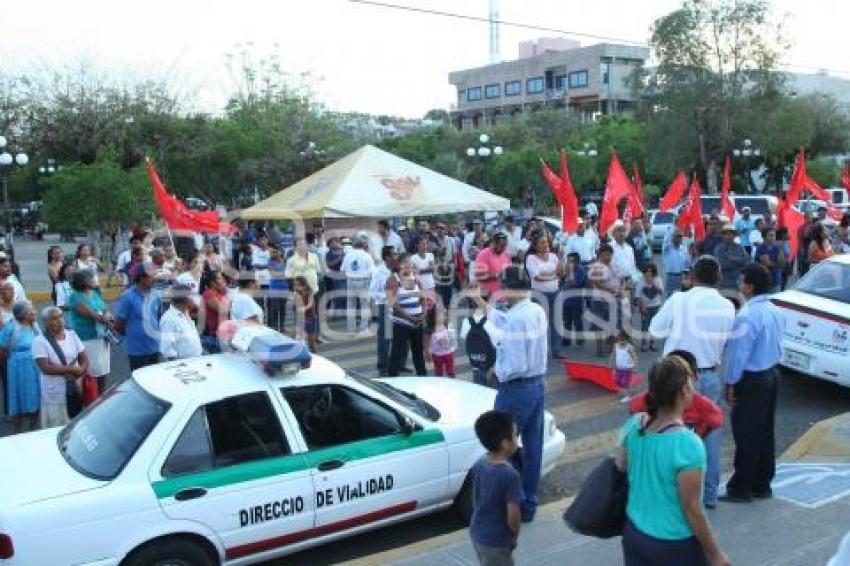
408 426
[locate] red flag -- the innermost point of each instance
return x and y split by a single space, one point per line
177 216
800 182
569 201
636 207
845 177
691 213
674 193
617 188
726 204
788 217
552 180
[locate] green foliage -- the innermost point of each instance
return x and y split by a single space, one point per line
97 197
825 172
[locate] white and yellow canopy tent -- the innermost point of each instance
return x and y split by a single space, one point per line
370 184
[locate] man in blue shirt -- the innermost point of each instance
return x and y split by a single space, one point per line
751 359
137 318
675 259
744 225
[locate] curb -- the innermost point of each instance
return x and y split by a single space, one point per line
819 434
109 294
395 554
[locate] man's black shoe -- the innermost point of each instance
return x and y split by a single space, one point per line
405 370
729 498
763 494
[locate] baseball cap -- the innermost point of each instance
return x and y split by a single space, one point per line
500 236
729 227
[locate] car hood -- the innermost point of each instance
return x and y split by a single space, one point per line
36 470
459 402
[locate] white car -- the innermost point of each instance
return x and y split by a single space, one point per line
231 459
816 339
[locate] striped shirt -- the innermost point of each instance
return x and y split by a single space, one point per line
408 300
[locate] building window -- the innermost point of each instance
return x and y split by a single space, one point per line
578 79
561 82
603 73
493 91
461 94
513 88
534 86
473 93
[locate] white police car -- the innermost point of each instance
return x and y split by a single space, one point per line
212 461
816 339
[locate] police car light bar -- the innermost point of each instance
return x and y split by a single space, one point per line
276 353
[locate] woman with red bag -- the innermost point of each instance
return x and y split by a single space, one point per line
61 357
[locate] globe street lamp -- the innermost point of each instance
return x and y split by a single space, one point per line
747 151
7 161
588 151
484 152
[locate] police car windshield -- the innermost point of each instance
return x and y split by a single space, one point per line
102 439
828 279
403 398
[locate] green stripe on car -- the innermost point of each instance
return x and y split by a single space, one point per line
261 469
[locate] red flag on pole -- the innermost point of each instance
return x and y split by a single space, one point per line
801 182
845 177
788 217
569 201
691 213
674 193
617 188
552 180
726 204
636 207
177 216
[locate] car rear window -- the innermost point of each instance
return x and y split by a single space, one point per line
829 279
663 218
758 205
103 438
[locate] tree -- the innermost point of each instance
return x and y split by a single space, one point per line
99 198
715 58
438 115
825 172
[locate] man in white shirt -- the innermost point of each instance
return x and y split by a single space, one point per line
521 364
623 260
580 244
514 233
242 304
358 267
385 236
700 321
178 335
7 275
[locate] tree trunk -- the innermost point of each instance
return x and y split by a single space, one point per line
711 177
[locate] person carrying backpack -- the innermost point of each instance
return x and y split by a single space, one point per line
478 334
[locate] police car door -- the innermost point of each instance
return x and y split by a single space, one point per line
231 468
368 462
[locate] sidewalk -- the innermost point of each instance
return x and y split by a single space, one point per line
801 526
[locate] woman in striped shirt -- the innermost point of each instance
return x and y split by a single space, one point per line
404 300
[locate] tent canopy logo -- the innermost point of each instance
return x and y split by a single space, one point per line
401 188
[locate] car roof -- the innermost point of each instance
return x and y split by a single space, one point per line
207 378
843 259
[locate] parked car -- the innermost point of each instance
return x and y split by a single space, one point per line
661 224
239 458
816 339
840 198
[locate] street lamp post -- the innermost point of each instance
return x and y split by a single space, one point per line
7 161
747 151
588 151
484 152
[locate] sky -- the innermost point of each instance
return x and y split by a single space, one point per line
356 57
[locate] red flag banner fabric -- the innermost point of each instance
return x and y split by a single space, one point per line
674 193
691 213
177 216
617 188
845 177
636 207
788 217
801 182
726 204
552 180
569 201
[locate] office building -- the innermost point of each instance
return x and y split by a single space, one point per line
587 81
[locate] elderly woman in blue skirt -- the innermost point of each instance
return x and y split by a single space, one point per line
24 391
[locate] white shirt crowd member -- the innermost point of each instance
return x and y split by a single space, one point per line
178 336
423 266
623 260
523 343
244 307
581 245
53 386
358 267
698 321
538 267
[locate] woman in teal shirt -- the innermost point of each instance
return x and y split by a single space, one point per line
665 463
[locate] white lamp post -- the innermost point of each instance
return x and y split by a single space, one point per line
485 153
7 161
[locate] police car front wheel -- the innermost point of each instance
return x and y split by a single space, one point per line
170 552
